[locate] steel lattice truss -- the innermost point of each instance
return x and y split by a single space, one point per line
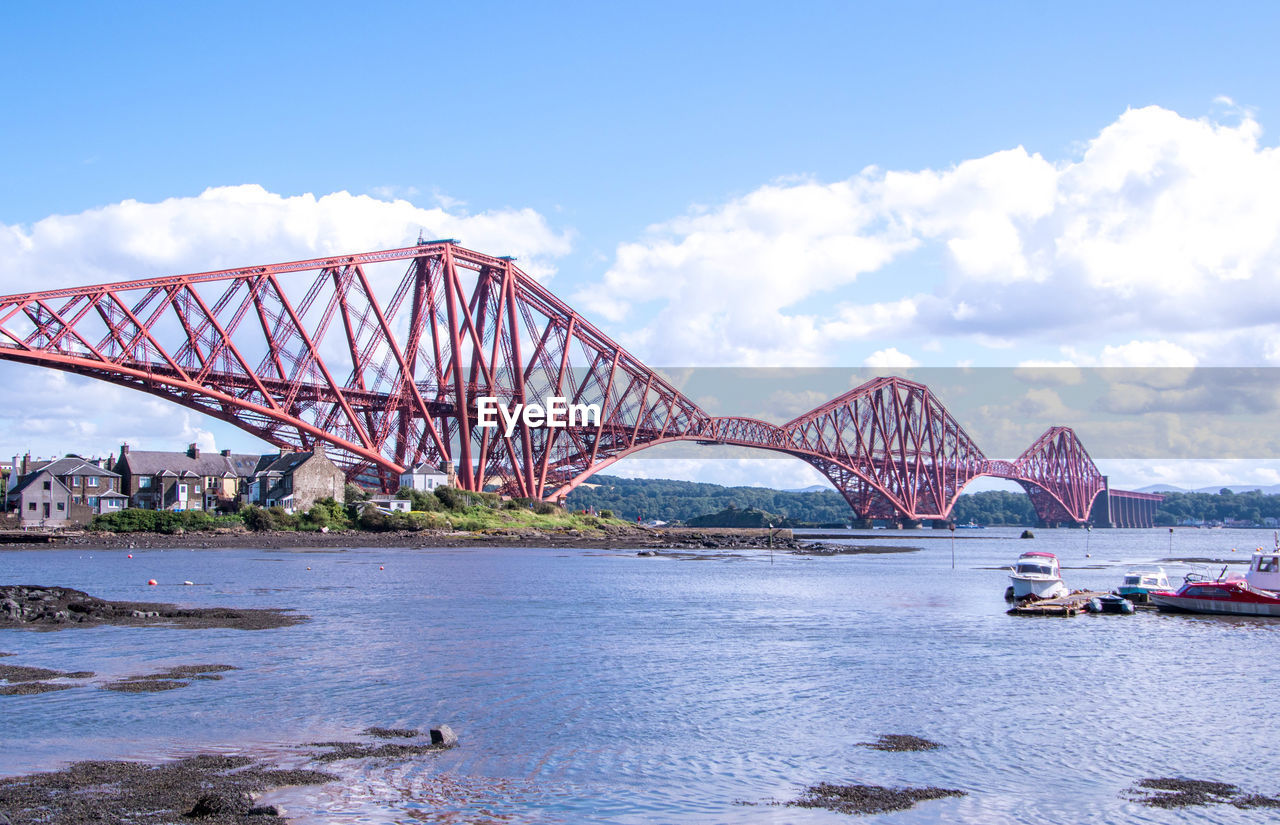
387 386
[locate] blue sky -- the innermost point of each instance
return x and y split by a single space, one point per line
982 157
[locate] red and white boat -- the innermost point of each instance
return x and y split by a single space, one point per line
1256 593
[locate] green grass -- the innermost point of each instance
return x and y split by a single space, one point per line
479 519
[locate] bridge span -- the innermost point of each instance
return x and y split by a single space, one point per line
304 353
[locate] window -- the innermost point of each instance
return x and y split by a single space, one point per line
62 506
92 501
91 481
31 506
144 482
197 488
182 491
48 485
75 481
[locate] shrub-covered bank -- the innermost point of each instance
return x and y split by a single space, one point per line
445 509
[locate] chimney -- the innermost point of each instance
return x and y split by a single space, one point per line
26 464
193 451
124 449
226 454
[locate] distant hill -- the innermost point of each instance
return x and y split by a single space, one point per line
812 488
686 501
1266 490
670 500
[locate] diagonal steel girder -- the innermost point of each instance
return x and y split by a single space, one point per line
304 353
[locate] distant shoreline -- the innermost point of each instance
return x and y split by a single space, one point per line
620 537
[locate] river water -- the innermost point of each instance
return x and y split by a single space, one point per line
596 686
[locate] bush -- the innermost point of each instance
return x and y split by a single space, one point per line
326 512
272 518
377 521
606 514
354 492
422 500
455 499
545 508
135 520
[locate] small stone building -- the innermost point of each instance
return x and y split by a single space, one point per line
295 481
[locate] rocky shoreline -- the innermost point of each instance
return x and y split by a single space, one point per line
211 789
38 606
611 537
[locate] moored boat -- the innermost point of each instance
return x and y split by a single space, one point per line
1257 593
1037 574
1140 582
1111 603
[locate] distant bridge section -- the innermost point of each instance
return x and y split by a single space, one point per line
307 353
1125 508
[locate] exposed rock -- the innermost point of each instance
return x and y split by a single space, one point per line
867 799
359 750
31 688
220 804
263 810
444 736
144 685
209 789
56 607
1176 792
899 742
27 681
392 733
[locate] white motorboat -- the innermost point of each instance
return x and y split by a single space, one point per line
1037 574
1140 582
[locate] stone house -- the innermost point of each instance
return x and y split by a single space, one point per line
191 480
66 492
295 481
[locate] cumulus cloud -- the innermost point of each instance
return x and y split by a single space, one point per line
234 226
890 359
63 413
1164 227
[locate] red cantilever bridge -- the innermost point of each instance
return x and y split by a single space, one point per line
304 353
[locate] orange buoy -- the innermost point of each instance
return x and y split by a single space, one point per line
151 582
382 568
130 555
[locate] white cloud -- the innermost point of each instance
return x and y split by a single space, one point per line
63 413
889 359
1164 228
240 225
1146 354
